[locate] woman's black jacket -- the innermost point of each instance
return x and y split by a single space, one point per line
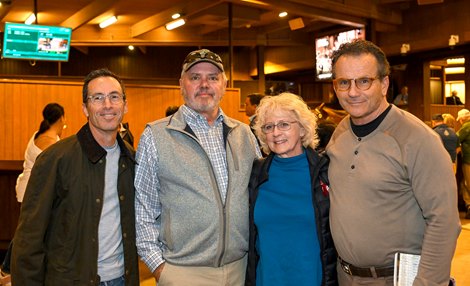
318 165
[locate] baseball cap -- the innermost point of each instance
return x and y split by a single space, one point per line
462 114
203 55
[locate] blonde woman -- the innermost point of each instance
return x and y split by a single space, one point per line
290 240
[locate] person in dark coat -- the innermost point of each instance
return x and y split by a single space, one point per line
290 241
77 220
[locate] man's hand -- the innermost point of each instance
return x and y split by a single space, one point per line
158 272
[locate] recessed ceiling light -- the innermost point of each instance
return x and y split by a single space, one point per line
283 14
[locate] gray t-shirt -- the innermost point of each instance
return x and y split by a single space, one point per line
110 253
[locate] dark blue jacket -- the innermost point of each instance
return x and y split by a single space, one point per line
449 138
321 204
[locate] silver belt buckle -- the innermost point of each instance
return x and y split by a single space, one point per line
346 268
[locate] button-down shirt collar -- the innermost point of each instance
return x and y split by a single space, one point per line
212 140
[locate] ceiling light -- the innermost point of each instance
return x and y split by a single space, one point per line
108 22
456 61
457 70
175 16
454 39
30 19
175 24
282 14
131 47
256 2
405 48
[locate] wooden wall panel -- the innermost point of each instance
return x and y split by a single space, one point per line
21 104
9 212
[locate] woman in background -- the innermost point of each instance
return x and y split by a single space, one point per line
290 239
49 133
449 120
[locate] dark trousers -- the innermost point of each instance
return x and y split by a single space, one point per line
6 261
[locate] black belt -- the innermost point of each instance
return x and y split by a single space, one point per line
365 271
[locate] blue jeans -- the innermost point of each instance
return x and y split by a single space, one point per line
115 282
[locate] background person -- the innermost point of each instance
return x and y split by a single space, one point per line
126 133
385 195
289 199
50 131
171 110
448 136
325 130
402 98
454 99
463 117
77 224
449 120
251 103
192 184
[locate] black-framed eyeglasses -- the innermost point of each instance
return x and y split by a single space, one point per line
99 98
281 125
362 83
202 54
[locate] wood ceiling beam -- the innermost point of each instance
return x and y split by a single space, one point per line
356 8
242 16
4 11
308 10
117 36
87 13
238 12
164 17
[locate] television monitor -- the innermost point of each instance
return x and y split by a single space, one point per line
36 42
324 47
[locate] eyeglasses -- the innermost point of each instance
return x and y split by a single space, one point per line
99 98
281 126
344 84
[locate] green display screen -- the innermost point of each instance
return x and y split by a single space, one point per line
36 42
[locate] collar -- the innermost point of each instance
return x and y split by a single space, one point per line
193 117
93 150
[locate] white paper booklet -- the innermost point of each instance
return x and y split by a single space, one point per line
406 268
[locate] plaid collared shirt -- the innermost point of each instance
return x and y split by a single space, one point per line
212 140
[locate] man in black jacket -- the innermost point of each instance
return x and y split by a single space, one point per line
77 221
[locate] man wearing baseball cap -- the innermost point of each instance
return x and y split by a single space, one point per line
191 184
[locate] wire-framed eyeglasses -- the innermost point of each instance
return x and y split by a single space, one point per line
281 126
362 83
99 98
